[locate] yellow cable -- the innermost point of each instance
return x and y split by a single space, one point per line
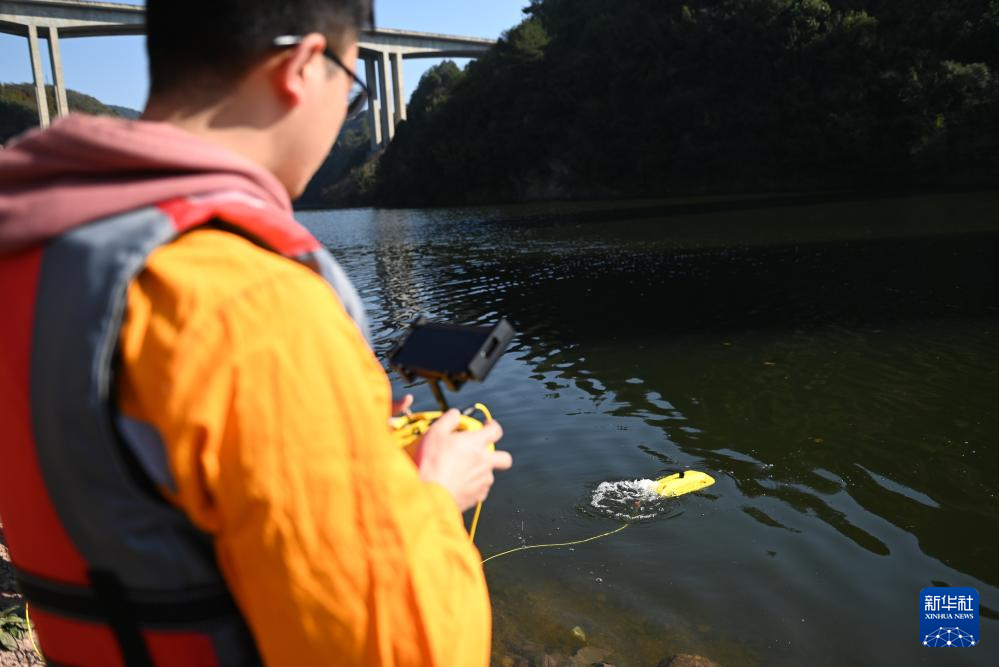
492 446
475 522
560 544
31 633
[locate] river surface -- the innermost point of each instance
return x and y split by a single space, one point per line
833 365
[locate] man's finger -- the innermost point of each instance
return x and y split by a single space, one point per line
402 404
448 421
492 431
501 460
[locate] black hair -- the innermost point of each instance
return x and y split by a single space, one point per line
210 44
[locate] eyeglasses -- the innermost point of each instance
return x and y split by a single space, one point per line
360 93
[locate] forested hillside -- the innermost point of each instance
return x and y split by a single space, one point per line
595 98
18 110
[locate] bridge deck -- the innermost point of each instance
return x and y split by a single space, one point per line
79 18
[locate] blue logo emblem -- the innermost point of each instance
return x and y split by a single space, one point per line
948 617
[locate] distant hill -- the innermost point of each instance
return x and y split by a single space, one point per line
125 112
349 177
335 184
18 111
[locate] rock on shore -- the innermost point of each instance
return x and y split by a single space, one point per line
685 660
9 597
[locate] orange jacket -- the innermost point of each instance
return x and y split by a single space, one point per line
273 412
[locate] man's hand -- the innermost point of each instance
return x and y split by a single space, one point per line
461 461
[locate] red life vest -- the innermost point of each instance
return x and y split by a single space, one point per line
114 574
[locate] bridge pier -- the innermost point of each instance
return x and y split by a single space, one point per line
388 127
36 69
58 80
398 89
384 114
374 120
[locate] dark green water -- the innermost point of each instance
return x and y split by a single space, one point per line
835 366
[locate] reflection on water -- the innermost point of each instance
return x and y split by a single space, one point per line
834 366
396 270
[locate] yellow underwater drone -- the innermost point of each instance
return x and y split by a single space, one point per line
680 483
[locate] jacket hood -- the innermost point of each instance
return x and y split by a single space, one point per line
85 168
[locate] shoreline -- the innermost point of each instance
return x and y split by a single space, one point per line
11 598
686 203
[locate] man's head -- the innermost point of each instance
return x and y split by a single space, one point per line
214 66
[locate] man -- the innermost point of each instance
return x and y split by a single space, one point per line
197 468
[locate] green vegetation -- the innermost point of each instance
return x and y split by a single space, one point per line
347 175
19 112
13 627
599 98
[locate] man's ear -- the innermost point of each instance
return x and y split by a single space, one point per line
292 72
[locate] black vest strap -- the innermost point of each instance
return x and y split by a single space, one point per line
176 609
114 603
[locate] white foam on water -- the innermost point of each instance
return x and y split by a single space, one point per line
628 500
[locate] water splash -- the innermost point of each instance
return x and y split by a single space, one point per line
629 500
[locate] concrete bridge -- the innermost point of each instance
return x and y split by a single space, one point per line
382 51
